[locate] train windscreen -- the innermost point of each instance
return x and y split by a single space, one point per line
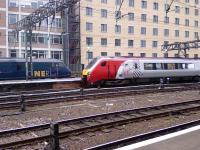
92 62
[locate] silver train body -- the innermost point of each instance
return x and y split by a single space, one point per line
158 67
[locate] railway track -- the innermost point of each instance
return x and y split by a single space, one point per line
146 136
36 98
77 126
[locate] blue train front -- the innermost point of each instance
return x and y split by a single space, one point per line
14 69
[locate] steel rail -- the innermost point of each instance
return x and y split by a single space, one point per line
145 136
104 121
70 96
39 93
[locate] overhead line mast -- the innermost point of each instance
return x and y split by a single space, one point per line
168 9
29 23
182 47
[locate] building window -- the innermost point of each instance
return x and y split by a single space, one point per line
41 54
166 20
195 55
131 3
117 42
34 5
144 4
196 23
196 35
57 55
143 43
130 16
166 32
130 29
89 41
196 12
187 34
12 38
89 55
117 54
13 53
196 1
117 29
12 18
57 23
130 43
13 3
165 55
88 11
187 23
103 27
176 33
42 38
143 30
187 11
155 31
104 1
155 6
55 39
130 54
89 26
154 44
103 53
177 9
155 19
117 2
142 55
103 41
177 21
143 17
176 55
154 55
104 13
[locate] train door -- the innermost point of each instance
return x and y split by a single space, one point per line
112 70
54 70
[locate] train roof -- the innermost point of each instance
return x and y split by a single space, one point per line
147 58
23 60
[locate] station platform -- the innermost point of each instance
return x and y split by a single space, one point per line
39 84
187 139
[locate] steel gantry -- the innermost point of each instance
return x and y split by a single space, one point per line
181 47
70 13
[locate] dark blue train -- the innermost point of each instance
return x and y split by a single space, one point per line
14 69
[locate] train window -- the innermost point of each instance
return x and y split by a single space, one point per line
185 66
61 65
178 66
103 63
165 66
170 66
158 66
148 66
92 62
54 64
190 66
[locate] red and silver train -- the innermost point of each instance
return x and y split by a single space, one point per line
134 69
